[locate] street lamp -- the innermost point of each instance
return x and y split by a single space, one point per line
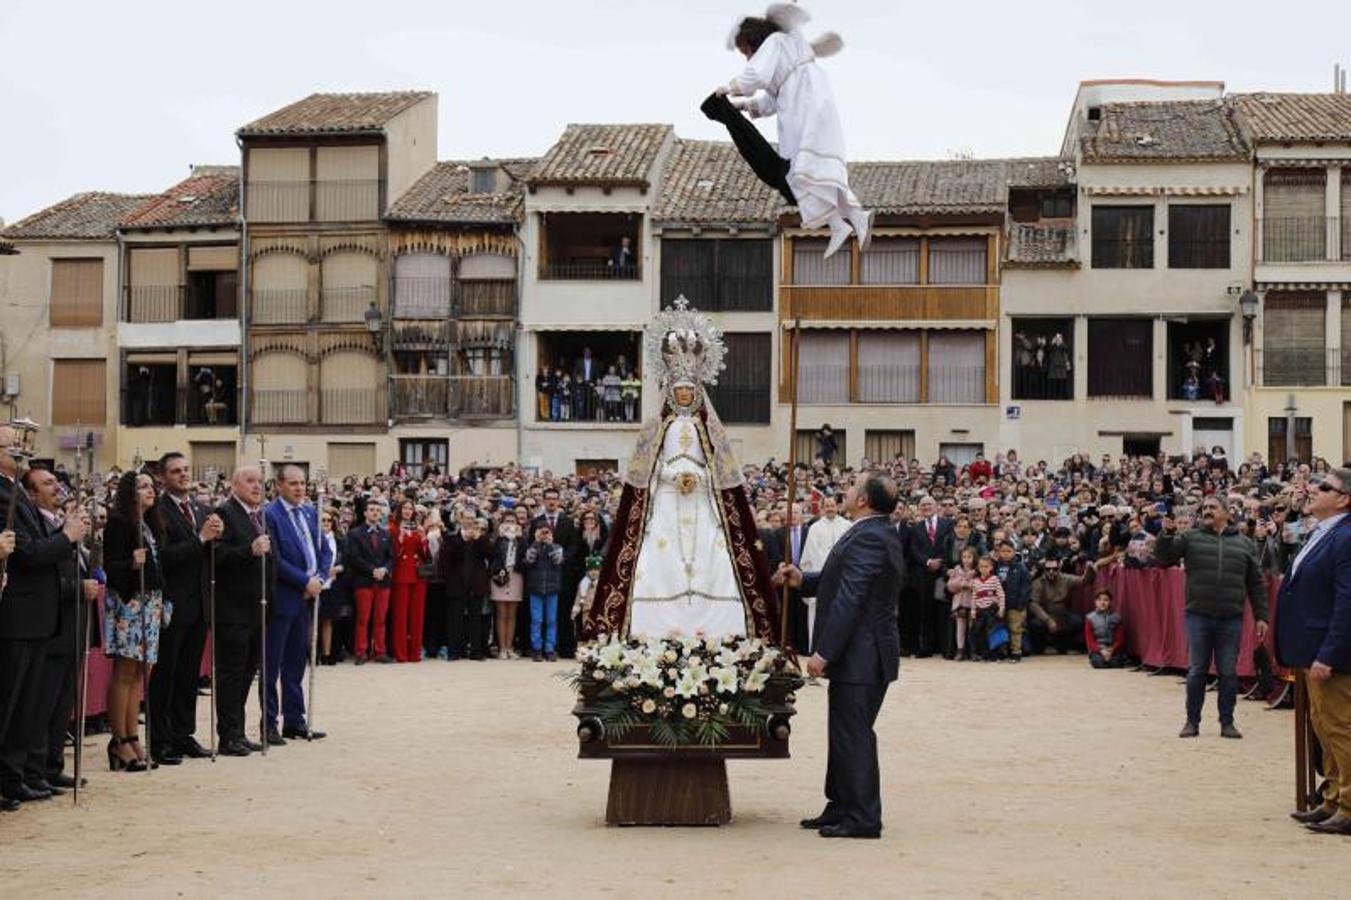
1248 304
373 319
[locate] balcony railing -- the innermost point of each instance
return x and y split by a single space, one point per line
1303 239
1120 384
278 306
279 407
1304 368
346 304
1346 229
595 270
486 299
1035 383
422 297
453 396
278 201
153 303
352 200
352 406
1042 244
588 405
345 200
889 303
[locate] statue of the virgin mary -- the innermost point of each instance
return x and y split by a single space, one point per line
686 555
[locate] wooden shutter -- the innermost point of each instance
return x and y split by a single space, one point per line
351 459
77 293
1123 237
213 259
688 269
1294 326
881 447
888 367
279 288
890 261
742 392
422 286
1198 236
1120 357
79 392
745 276
957 367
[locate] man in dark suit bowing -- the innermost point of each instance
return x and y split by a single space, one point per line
858 649
925 610
242 565
1313 635
303 562
189 532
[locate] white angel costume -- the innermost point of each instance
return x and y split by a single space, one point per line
782 78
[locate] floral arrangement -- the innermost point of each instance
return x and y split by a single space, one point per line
686 689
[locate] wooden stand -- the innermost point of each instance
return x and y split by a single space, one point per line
681 790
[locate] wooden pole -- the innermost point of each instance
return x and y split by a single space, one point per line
1301 744
792 478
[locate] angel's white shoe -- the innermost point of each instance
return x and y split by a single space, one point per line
863 228
839 234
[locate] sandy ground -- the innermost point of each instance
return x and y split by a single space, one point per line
462 779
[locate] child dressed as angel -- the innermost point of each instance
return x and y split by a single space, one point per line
783 78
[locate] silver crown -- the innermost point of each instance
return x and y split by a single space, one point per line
683 346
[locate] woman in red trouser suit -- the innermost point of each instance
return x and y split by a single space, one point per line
408 596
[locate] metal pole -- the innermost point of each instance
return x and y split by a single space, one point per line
211 611
80 633
314 620
262 618
145 624
792 480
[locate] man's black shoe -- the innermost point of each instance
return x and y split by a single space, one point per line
386 659
190 749
40 786
1338 824
816 823
1229 731
361 661
841 830
24 794
8 805
1313 816
300 734
274 738
234 748
167 758
1189 730
62 780
252 745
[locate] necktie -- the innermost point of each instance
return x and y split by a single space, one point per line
187 512
375 538
797 546
256 517
933 531
303 530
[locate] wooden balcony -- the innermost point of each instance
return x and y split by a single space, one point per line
881 303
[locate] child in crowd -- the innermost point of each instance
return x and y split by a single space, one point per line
961 582
543 577
1103 634
1017 582
586 590
987 608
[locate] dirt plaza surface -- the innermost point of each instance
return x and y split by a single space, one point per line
461 779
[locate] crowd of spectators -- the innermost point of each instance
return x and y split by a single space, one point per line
589 390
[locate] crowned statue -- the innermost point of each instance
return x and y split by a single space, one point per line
685 556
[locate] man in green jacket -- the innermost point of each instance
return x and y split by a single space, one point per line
1222 569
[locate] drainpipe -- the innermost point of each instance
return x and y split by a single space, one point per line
123 314
1290 410
243 400
516 348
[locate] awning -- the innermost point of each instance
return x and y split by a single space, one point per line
581 326
1303 285
489 335
1104 190
152 358
893 324
213 359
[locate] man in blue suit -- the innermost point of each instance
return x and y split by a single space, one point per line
858 648
1313 634
303 561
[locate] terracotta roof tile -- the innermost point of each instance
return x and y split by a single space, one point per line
602 154
335 114
93 214
931 186
210 196
707 182
1186 130
1295 117
442 195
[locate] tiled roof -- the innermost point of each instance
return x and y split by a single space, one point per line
931 186
1040 172
442 195
1188 130
93 214
1295 117
708 181
602 154
210 196
335 114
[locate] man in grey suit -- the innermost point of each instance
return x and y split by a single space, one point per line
858 649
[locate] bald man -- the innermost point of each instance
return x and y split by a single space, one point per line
242 563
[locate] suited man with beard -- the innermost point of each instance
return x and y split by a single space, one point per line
568 537
189 532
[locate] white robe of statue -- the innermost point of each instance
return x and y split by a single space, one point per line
782 78
684 580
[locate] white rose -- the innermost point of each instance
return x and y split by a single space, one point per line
722 708
670 656
688 710
668 693
649 706
599 674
